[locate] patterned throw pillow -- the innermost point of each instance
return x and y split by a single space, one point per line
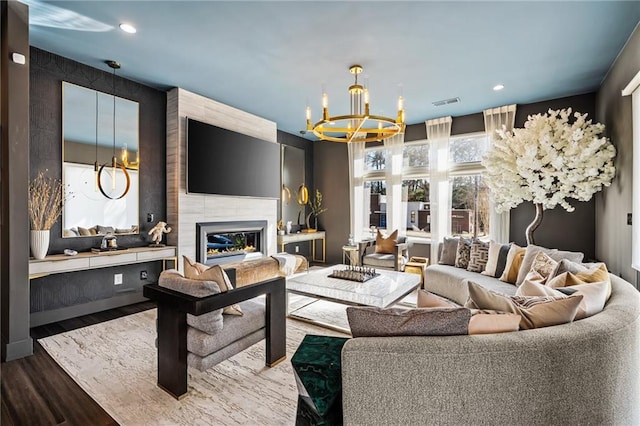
555 254
497 259
386 245
478 256
544 265
463 253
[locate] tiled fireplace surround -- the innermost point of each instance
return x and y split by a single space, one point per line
185 210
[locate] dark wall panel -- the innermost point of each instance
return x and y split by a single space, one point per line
48 71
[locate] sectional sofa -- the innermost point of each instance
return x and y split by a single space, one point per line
586 372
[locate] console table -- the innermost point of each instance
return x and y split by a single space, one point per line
59 263
283 240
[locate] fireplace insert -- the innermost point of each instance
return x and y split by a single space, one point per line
219 242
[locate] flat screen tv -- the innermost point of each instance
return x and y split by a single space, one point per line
223 162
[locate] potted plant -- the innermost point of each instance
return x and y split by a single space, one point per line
315 204
548 162
45 206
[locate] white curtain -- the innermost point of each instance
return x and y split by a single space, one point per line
396 206
495 119
438 133
633 90
356 183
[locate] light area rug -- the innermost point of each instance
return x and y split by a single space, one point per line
115 362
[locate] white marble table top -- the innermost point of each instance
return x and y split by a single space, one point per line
381 291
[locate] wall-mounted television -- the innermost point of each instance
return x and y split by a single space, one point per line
223 162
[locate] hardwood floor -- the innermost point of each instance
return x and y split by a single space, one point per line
36 391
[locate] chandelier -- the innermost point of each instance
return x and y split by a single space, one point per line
359 125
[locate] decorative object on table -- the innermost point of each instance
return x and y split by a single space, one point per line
548 162
156 233
280 227
45 206
109 242
69 252
288 228
351 242
317 367
316 210
355 273
359 125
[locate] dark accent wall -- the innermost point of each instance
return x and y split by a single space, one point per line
70 294
331 176
613 235
14 181
48 71
306 145
559 229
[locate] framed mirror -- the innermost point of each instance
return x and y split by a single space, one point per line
101 200
292 177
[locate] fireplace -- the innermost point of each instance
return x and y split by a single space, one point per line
222 242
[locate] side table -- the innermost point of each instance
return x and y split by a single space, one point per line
317 367
351 253
417 265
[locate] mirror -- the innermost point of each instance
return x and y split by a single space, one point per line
87 138
292 177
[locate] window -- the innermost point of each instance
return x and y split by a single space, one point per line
375 191
467 148
469 206
418 208
416 155
374 159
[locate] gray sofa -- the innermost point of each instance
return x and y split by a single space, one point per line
586 372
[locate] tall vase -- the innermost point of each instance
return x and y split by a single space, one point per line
534 225
39 243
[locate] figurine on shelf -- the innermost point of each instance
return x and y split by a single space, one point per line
156 233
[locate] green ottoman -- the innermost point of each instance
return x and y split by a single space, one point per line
317 367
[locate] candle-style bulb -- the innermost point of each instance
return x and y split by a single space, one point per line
308 113
325 100
366 96
400 103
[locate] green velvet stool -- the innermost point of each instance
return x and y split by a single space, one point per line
318 370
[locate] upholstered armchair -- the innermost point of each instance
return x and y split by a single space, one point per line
393 259
193 332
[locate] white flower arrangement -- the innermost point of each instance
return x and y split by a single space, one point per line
549 161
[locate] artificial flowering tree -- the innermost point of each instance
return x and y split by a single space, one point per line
555 158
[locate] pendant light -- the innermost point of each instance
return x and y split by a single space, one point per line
114 161
96 176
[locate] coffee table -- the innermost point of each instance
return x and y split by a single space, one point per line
382 291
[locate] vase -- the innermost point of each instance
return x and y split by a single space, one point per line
534 225
39 243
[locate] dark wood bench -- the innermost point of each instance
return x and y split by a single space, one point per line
174 306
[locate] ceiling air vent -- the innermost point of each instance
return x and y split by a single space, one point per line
446 101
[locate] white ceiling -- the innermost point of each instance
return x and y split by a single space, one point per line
273 58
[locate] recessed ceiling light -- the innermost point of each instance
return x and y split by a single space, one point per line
128 28
498 87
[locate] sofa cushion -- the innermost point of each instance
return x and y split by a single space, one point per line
513 264
378 322
463 253
449 250
386 245
497 259
490 322
210 323
381 260
430 300
235 328
535 311
261 269
174 280
594 295
478 256
448 281
555 254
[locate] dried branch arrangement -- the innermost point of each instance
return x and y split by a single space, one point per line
45 202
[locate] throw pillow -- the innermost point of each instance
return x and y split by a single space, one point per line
555 254
378 322
83 231
198 271
594 295
104 230
536 312
490 322
463 253
513 264
173 280
449 250
478 256
543 265
497 259
582 273
430 300
386 245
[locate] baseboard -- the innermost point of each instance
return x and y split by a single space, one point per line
19 349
